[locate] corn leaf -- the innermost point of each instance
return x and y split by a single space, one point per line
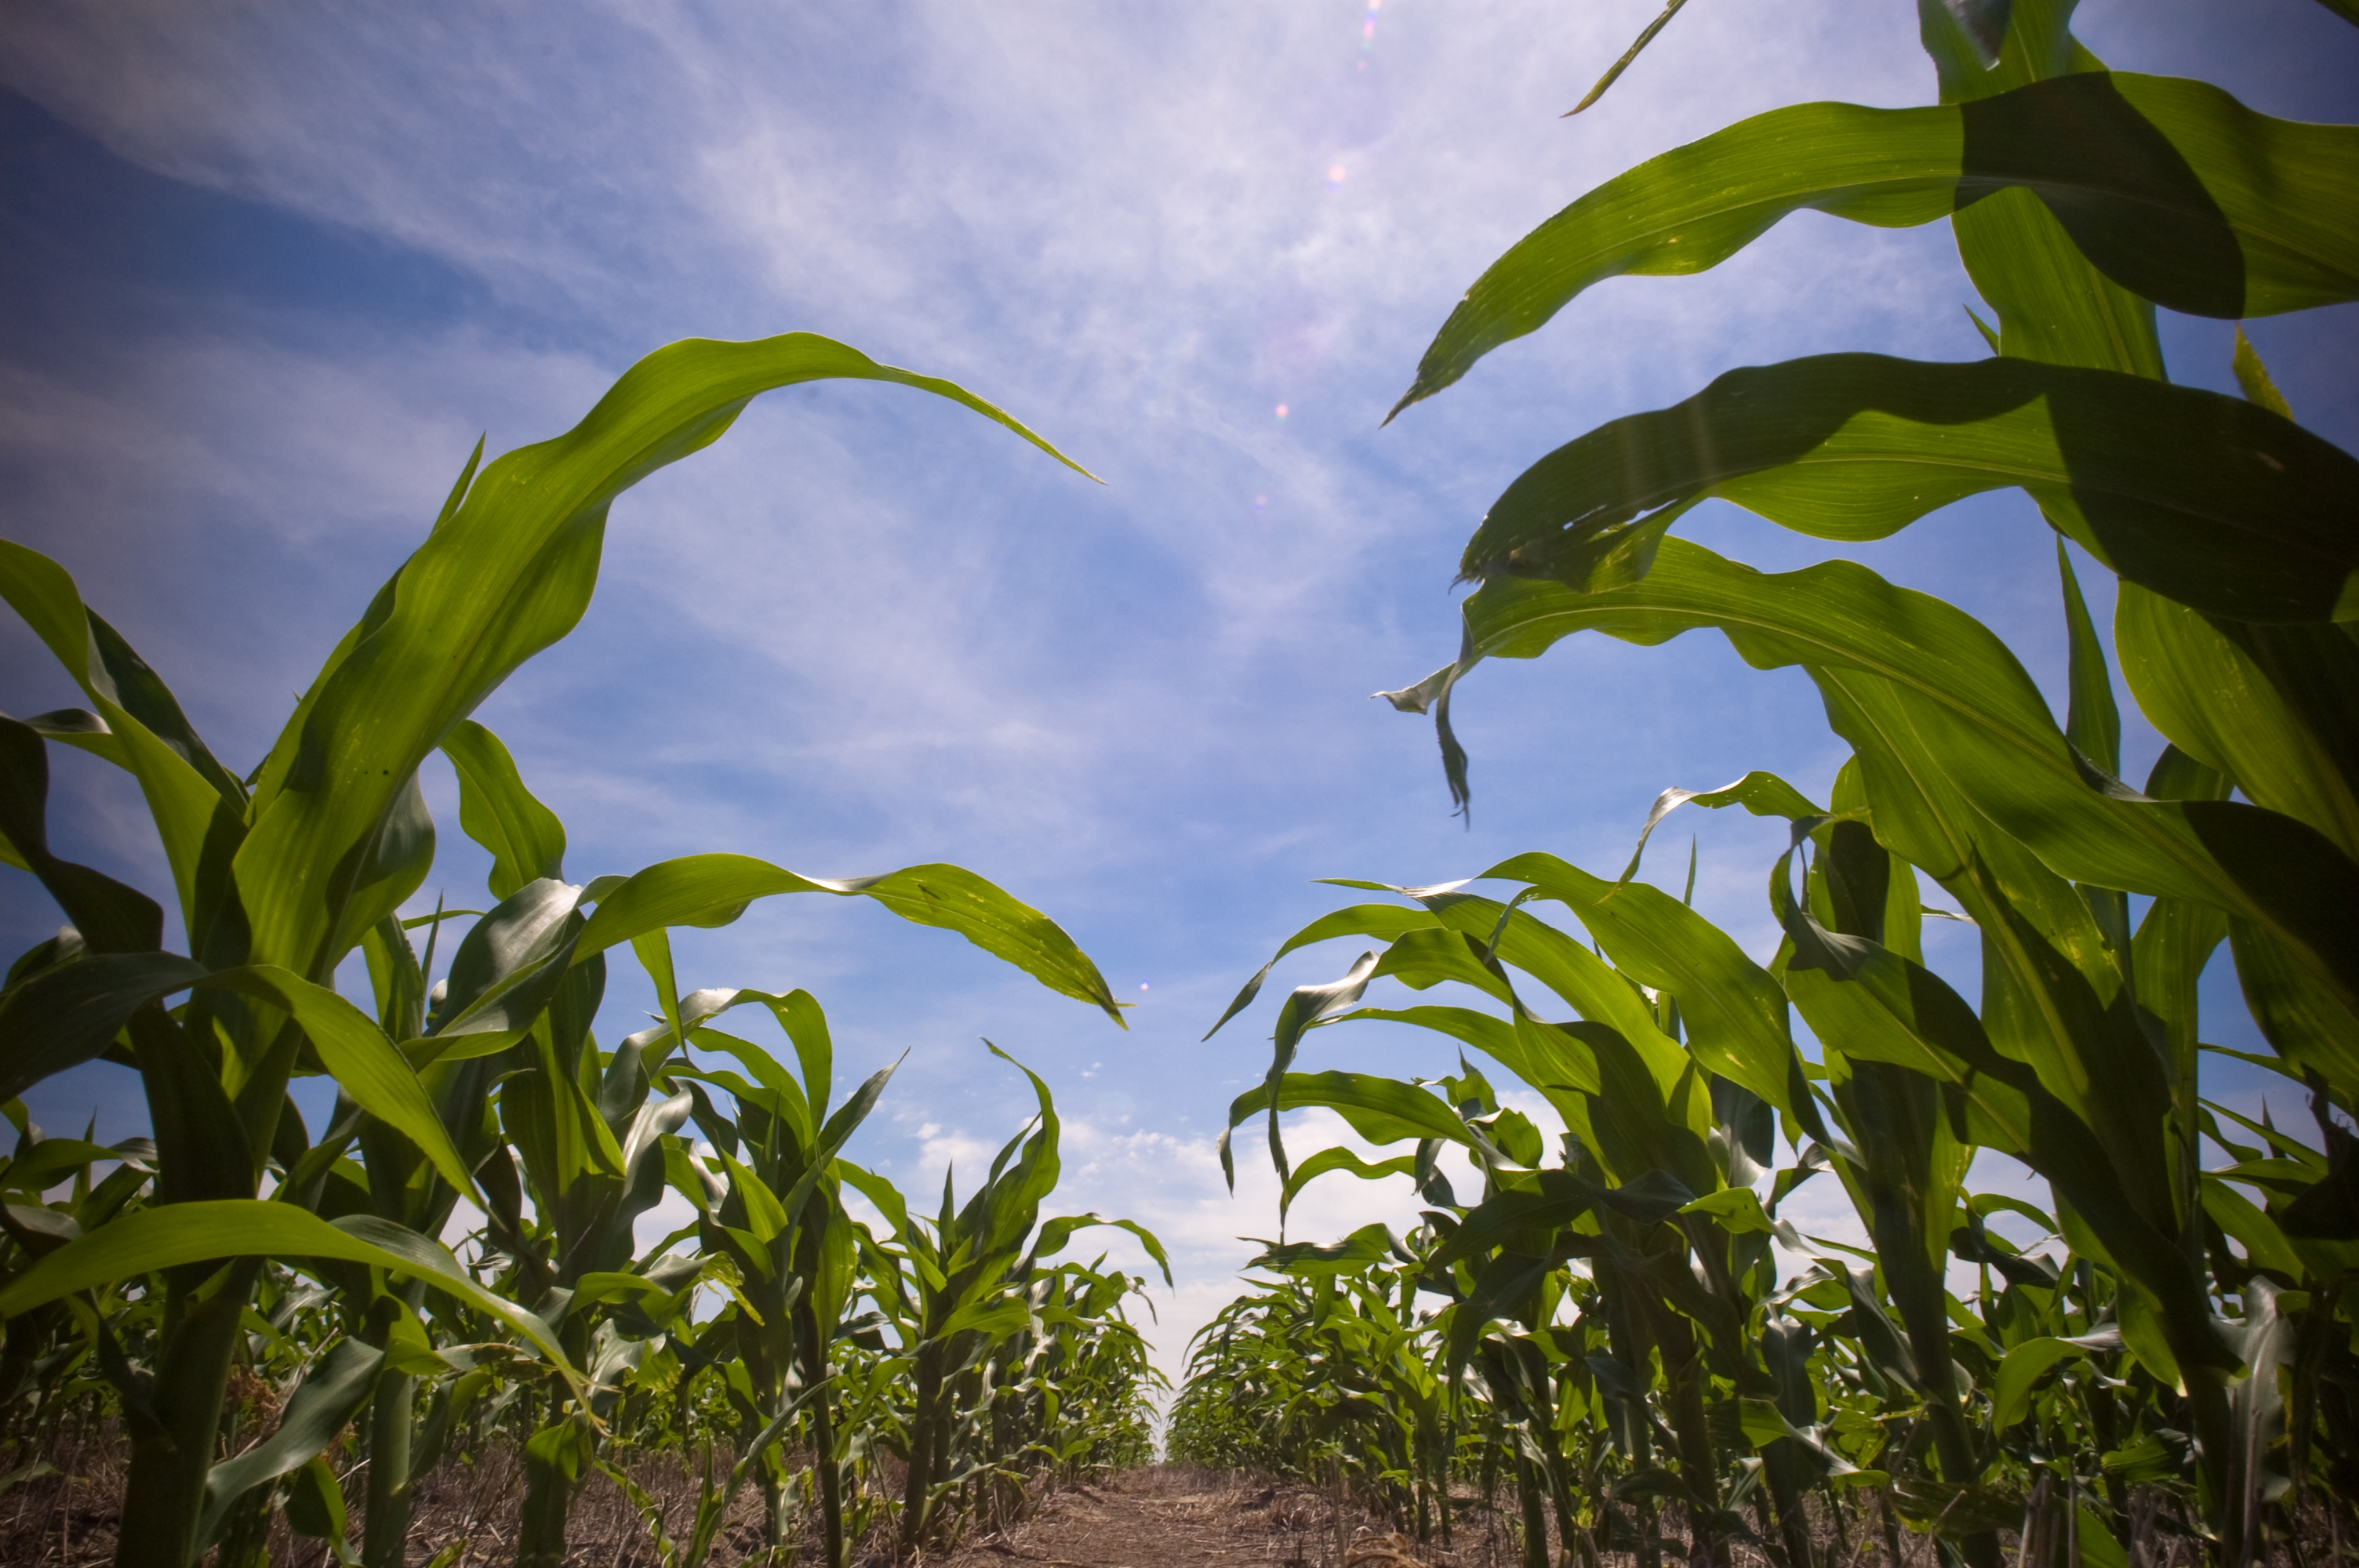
2170 186
2208 500
504 575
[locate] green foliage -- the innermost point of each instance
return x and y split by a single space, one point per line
1611 1328
776 1324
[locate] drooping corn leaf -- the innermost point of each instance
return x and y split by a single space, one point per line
171 1235
526 838
197 806
714 889
1055 1233
2169 185
110 916
1382 921
69 1013
501 576
2207 499
1328 1159
2275 708
1511 936
1979 712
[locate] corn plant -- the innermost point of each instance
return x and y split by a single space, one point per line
279 874
2080 199
959 1285
1621 1303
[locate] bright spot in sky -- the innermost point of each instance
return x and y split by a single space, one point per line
1142 985
1335 175
1281 410
1260 501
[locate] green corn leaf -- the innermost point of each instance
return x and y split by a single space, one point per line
1343 1160
1494 933
1761 795
2092 1093
764 1216
1733 1010
504 575
314 1506
331 1394
366 1064
2092 723
2052 304
172 1234
2275 708
71 1012
2307 1023
2019 1370
2265 1245
525 839
2052 983
1380 1109
198 808
109 916
1055 1233
714 889
2208 500
1369 1244
1979 715
1305 1007
1381 920
83 731
506 971
2169 185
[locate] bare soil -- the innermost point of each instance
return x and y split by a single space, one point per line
1174 1516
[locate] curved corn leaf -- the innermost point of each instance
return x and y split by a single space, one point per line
2274 708
1382 921
2209 499
69 1012
1328 1159
525 837
2170 186
109 916
714 889
171 1235
1492 933
1735 1012
1056 1232
331 1394
197 806
2023 1366
504 575
1761 794
1380 1109
1978 712
366 1064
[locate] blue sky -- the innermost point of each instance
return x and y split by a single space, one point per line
269 272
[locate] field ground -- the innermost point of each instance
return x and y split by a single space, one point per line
65 1513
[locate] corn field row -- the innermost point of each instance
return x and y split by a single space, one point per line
1621 1329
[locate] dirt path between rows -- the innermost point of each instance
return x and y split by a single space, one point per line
1172 1518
